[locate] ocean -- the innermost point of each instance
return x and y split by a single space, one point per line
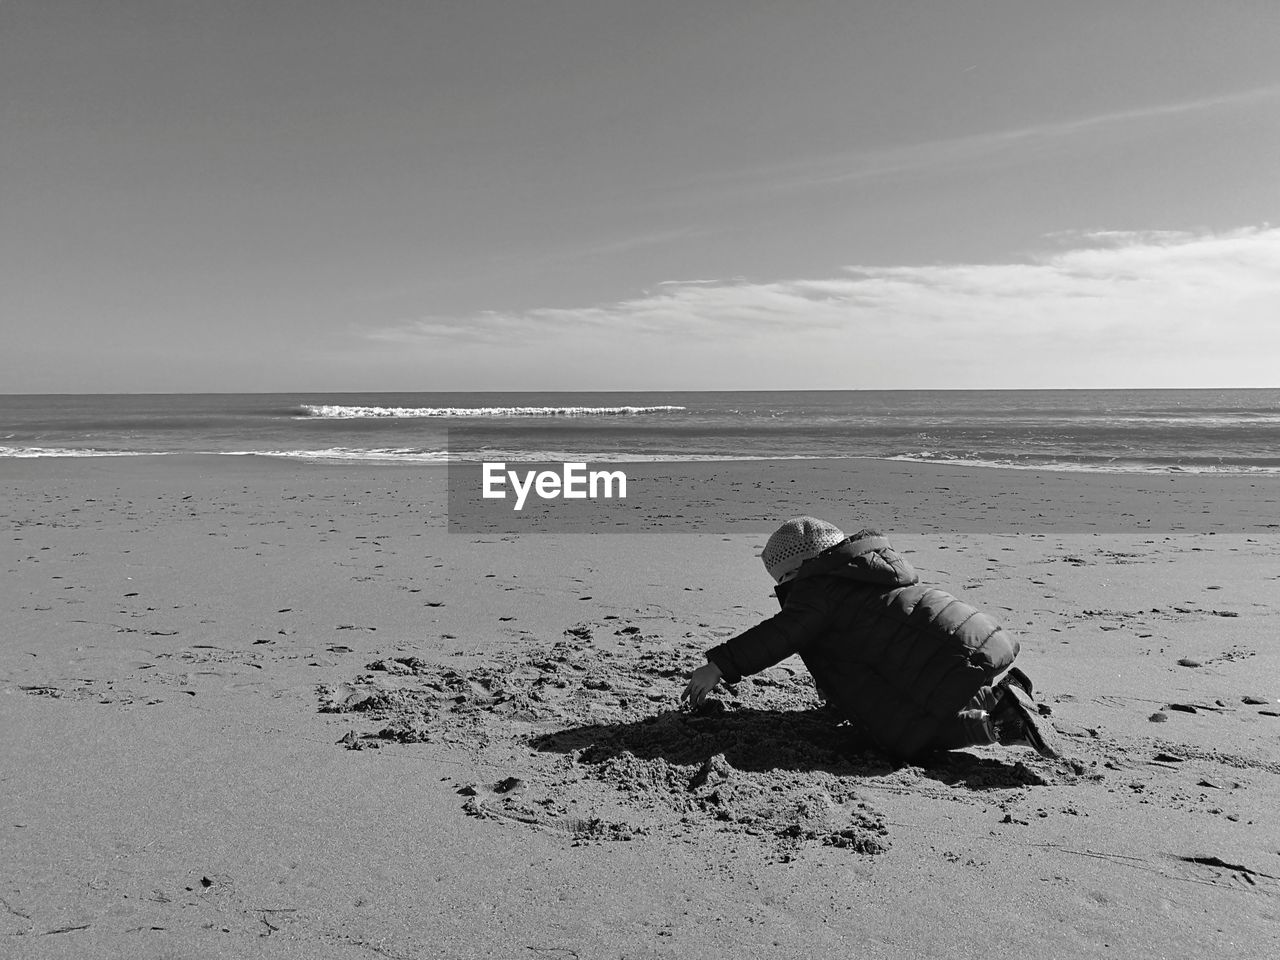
1091 430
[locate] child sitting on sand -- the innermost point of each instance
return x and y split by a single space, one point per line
913 665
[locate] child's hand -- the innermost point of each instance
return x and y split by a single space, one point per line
700 684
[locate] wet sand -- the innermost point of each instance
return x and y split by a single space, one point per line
257 708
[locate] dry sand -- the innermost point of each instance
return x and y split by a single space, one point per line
253 708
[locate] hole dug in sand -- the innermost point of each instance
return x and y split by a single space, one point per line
603 755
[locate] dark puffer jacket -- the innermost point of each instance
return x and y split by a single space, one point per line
900 658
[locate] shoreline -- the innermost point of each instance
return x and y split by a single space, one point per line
923 497
407 460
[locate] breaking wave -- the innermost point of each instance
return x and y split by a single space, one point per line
330 454
339 412
28 452
1110 465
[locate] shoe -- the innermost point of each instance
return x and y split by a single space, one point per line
1018 723
1016 676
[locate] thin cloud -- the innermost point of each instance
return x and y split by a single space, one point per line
1172 298
721 282
1117 270
916 157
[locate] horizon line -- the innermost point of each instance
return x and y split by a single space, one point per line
283 393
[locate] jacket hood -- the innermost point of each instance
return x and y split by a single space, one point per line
867 557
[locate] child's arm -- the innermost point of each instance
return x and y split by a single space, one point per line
804 617
701 683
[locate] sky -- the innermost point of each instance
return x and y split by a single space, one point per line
604 195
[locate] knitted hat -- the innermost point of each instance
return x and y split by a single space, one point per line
797 540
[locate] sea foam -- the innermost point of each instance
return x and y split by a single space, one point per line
32 452
340 412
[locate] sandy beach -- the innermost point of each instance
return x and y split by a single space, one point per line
255 708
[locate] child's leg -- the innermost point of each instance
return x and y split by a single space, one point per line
970 727
985 699
1019 722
